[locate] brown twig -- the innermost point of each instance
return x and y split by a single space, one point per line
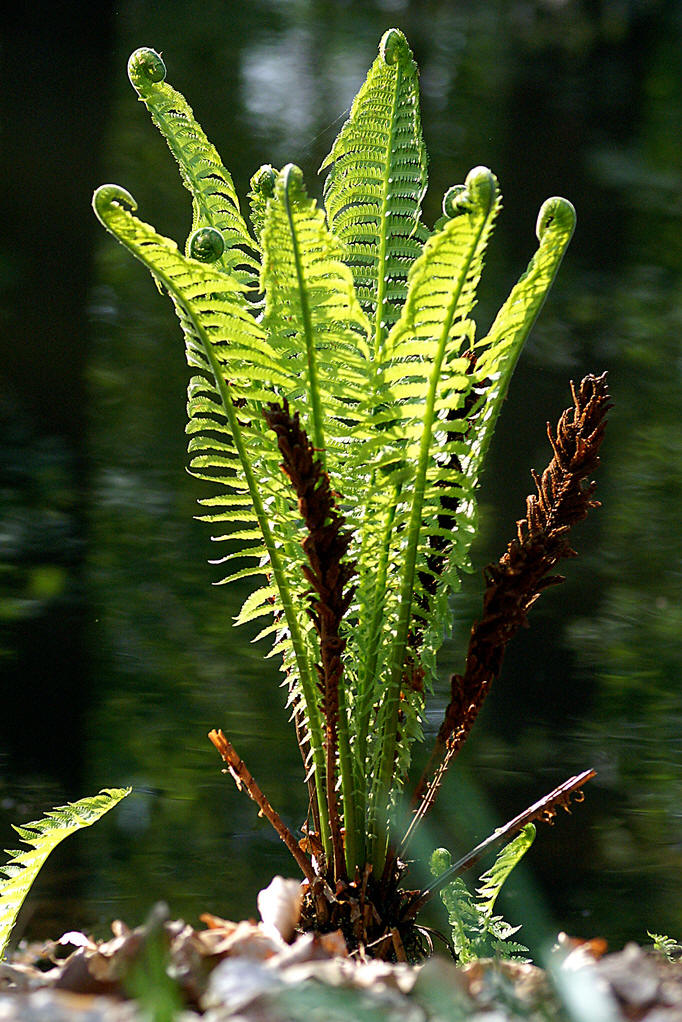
328 573
242 776
513 584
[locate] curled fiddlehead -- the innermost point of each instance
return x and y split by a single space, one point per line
455 201
107 196
206 244
393 47
557 215
262 188
214 199
145 68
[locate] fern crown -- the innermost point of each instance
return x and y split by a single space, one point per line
358 318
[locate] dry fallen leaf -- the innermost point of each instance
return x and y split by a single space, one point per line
279 905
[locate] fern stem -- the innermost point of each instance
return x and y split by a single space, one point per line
544 809
291 178
515 582
329 572
354 848
392 696
367 678
366 683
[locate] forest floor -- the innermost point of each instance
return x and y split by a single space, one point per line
246 972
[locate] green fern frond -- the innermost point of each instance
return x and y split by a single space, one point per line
377 180
214 199
441 296
262 188
312 316
498 352
666 946
223 341
492 881
228 445
42 836
475 935
476 932
361 320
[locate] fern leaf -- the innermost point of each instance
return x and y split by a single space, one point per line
498 352
214 199
328 573
476 932
377 180
312 315
262 188
42 836
666 946
228 346
492 880
464 919
442 287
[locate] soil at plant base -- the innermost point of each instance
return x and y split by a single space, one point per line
247 972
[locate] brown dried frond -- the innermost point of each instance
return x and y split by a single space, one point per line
515 582
544 810
327 571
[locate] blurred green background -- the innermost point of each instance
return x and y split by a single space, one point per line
116 654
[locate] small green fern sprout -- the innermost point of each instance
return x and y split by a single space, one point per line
341 340
666 946
476 932
43 836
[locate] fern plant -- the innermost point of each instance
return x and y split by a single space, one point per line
476 932
42 837
666 946
341 407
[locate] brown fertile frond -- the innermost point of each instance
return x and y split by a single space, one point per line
242 776
563 498
325 546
